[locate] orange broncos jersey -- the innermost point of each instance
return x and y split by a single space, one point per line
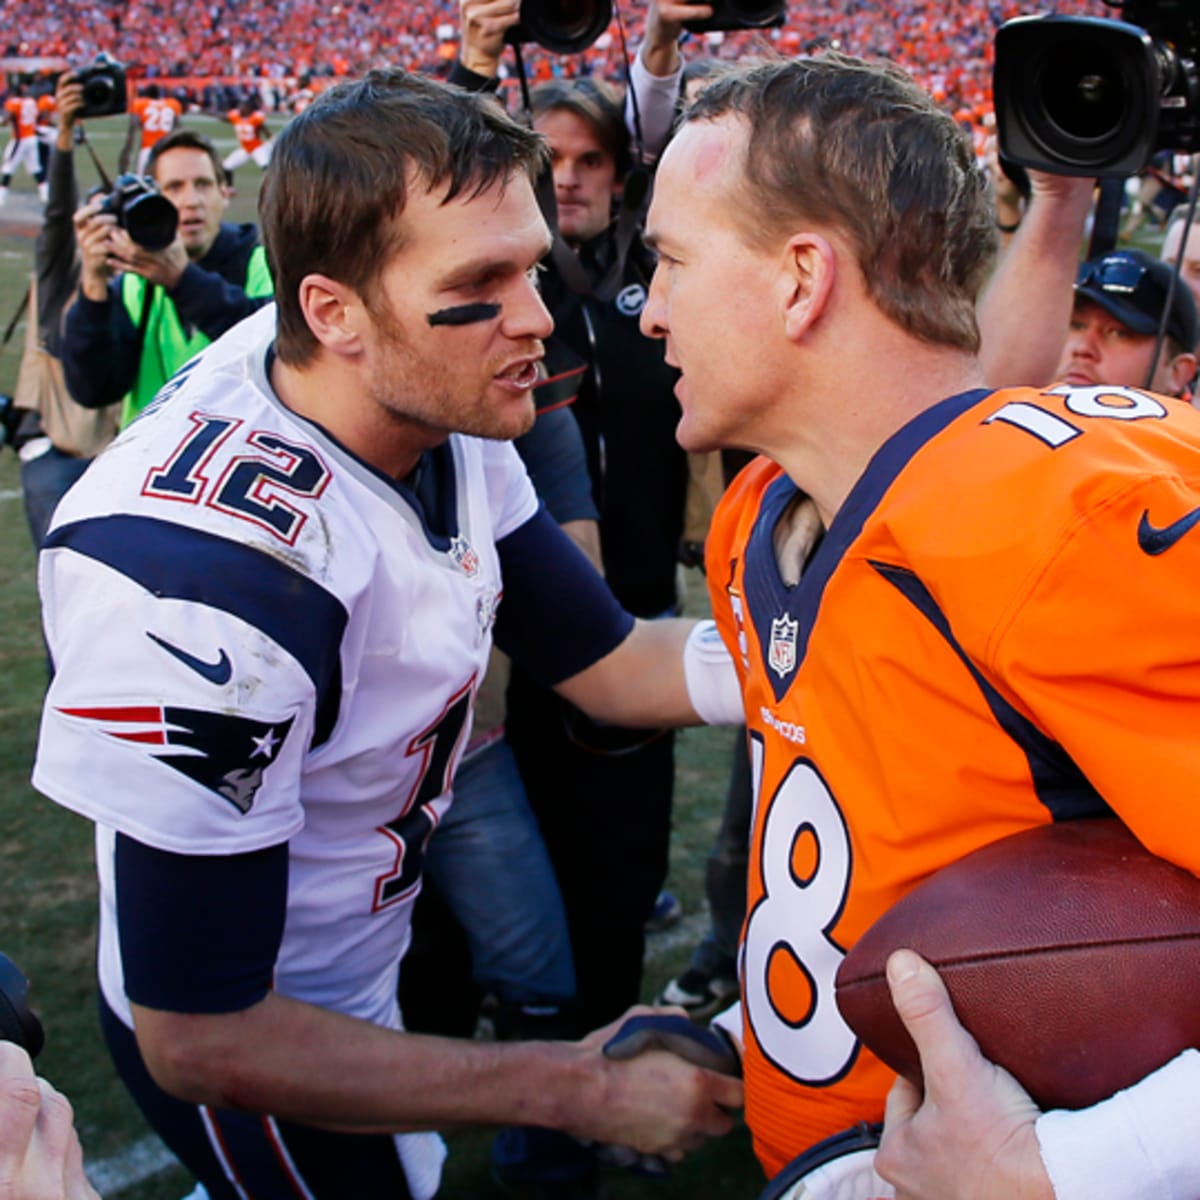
247 129
157 117
22 113
998 630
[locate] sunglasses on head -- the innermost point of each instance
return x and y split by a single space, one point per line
1124 277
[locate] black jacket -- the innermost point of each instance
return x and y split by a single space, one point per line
100 341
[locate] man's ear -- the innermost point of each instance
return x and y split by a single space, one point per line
331 311
1182 372
810 268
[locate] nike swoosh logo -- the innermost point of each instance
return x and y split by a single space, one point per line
1155 541
215 672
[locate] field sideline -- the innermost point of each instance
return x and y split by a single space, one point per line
47 908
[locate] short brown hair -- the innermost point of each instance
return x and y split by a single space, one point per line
339 174
595 102
186 139
861 148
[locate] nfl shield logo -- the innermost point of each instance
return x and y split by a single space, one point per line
464 554
782 653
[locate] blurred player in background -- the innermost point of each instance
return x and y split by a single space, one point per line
151 117
254 138
22 150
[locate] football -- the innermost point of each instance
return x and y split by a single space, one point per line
1071 953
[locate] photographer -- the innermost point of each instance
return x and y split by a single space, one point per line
621 781
142 314
1047 318
67 436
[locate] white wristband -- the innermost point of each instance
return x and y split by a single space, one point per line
712 683
730 1022
1142 1144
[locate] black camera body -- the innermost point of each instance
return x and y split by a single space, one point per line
142 211
561 26
571 26
104 88
1090 96
741 14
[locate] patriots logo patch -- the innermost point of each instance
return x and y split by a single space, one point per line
219 751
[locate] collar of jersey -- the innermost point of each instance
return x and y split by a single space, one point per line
768 597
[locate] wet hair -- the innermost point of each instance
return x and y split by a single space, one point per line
340 173
858 147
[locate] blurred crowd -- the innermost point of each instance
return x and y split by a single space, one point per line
947 44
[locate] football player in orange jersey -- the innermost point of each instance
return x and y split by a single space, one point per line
45 129
254 138
21 110
151 117
922 582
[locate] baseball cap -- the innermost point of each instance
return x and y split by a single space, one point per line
1132 286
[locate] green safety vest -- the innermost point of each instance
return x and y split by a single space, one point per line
166 346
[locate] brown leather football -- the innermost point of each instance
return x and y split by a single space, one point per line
1071 953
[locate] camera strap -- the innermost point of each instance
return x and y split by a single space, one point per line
1107 218
632 210
12 325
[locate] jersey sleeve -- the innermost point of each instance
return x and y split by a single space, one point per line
192 675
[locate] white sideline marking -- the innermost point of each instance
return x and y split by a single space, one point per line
11 494
133 1165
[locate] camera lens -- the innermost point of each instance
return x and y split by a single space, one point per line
1076 95
151 220
1084 91
564 26
98 91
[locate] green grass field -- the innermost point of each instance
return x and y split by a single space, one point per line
47 905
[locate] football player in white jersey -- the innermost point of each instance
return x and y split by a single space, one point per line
297 556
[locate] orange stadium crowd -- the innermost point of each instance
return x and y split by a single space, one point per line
947 44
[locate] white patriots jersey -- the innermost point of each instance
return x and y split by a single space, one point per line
258 640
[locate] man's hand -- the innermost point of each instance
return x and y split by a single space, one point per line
484 24
664 25
105 250
68 100
40 1156
164 266
970 1136
94 234
655 1102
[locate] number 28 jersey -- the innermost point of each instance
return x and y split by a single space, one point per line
998 630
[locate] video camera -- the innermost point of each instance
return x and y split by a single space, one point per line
17 1021
1091 96
141 210
571 26
104 89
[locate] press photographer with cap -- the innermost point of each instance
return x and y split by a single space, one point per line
1040 309
143 312
1118 306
